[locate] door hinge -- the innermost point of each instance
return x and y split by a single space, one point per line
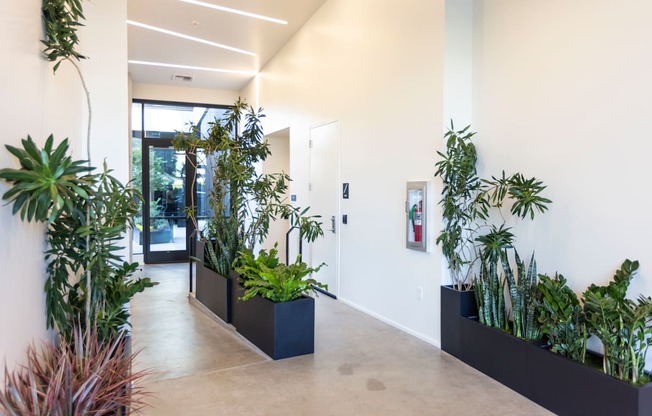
309 186
310 143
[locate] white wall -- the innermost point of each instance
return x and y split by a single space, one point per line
562 92
377 68
278 162
183 94
39 103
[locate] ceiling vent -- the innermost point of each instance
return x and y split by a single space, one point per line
182 78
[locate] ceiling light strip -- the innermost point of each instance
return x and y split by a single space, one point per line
192 38
236 11
199 68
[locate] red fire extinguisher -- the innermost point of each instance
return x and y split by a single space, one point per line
417 223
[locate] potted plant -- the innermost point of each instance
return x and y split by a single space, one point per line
585 382
243 202
87 285
84 376
466 204
281 318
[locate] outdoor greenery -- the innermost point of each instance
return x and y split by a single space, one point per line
266 276
84 377
243 201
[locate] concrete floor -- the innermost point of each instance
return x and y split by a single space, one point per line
361 366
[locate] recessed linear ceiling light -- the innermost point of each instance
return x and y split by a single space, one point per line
236 11
199 68
194 39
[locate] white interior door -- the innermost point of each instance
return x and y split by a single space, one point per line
324 201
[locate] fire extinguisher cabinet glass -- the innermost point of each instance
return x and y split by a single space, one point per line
415 213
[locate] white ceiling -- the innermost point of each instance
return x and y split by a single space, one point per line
263 38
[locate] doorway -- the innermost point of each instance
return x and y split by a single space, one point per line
165 232
324 201
162 234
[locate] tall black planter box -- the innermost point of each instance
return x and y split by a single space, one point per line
239 308
567 387
455 304
496 353
212 289
280 330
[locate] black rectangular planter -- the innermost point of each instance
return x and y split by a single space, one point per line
280 330
566 387
557 383
455 304
212 289
238 306
496 353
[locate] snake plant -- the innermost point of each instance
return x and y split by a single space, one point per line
524 296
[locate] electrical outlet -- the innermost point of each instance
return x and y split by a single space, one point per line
419 293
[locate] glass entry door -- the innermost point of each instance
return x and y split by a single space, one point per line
165 231
165 177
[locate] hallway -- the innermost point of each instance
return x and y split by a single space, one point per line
361 366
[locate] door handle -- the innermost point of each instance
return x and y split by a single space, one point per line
332 224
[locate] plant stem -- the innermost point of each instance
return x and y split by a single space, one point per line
90 109
88 209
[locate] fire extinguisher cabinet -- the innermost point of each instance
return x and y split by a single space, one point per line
415 216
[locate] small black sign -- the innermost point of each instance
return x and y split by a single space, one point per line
345 190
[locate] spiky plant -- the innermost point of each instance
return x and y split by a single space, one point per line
83 377
524 296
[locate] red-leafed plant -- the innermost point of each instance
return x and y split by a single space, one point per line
85 377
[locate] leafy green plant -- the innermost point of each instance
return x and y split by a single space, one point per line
562 318
243 201
266 276
87 216
459 202
83 377
250 266
624 326
61 20
467 202
47 182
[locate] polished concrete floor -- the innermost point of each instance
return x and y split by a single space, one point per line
361 366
